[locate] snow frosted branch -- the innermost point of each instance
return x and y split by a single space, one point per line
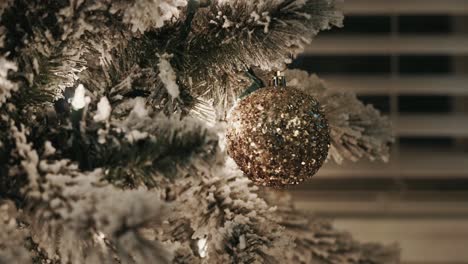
6 86
235 35
12 238
317 241
357 130
137 181
143 15
168 75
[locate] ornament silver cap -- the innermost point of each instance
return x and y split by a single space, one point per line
279 80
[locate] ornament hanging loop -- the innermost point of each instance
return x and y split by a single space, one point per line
279 80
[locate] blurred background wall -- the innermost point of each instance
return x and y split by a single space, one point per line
409 58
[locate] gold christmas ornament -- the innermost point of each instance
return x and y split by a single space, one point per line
278 135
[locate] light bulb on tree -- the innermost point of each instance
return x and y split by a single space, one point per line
80 100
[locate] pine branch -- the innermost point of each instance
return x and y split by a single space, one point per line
133 69
239 227
107 178
74 214
12 238
135 151
236 35
145 15
52 41
151 147
33 41
357 130
317 241
3 6
7 87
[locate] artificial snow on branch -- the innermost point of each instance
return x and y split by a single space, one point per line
12 237
317 241
71 213
103 111
6 86
357 130
168 75
143 15
121 75
235 35
5 4
238 225
101 160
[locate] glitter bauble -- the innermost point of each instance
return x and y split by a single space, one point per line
278 136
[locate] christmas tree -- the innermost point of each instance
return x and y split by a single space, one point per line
112 133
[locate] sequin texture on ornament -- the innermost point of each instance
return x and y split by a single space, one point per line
278 136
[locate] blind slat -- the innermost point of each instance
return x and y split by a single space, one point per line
421 7
432 125
403 85
409 164
378 45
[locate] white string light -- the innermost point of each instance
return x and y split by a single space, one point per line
80 100
202 247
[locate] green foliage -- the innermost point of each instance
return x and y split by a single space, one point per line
170 150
